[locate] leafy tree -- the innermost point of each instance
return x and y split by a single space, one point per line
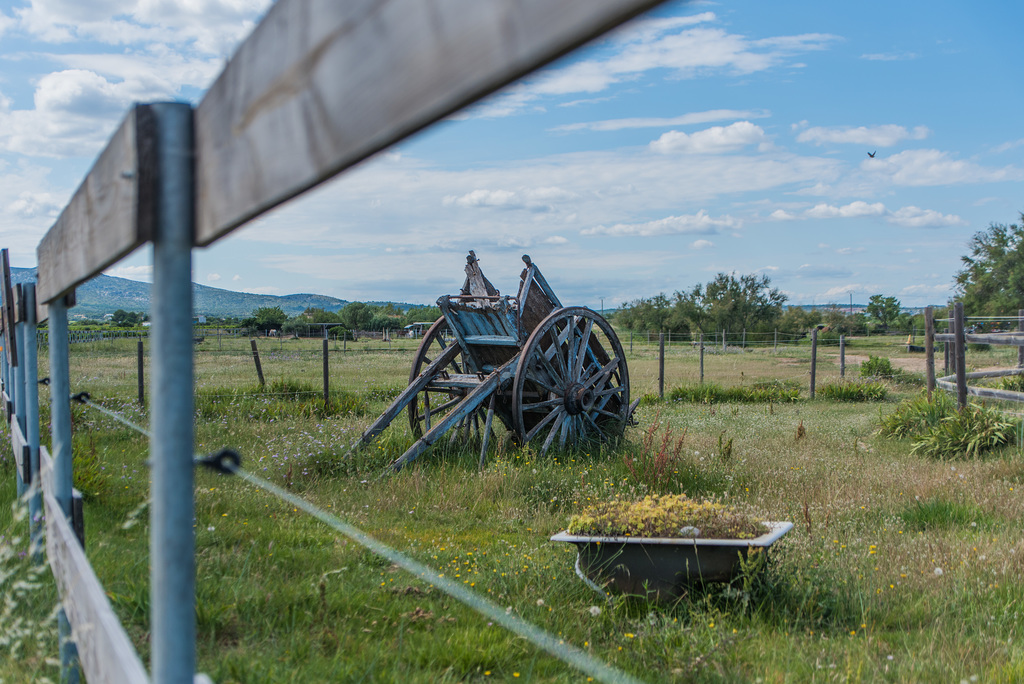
728 303
268 318
316 315
883 309
127 319
992 280
798 319
356 316
420 314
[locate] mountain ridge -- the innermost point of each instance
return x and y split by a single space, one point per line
106 294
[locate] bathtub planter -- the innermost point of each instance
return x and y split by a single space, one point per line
664 568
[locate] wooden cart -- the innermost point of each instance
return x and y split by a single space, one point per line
549 373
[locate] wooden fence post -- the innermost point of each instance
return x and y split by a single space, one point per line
743 344
929 350
723 340
702 358
814 358
256 358
960 353
661 365
140 375
842 356
775 347
630 342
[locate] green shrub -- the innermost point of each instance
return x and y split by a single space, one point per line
1013 383
853 390
711 393
967 433
879 367
279 399
917 416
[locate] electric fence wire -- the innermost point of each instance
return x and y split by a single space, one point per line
227 461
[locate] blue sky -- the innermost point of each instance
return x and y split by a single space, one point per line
704 137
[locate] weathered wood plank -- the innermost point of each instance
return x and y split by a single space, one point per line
10 339
20 447
108 217
321 85
104 649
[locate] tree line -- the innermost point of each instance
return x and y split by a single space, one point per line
735 304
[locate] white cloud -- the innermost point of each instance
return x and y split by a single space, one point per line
843 289
236 277
781 215
880 136
714 140
934 167
851 210
913 217
889 56
212 277
701 244
665 122
849 250
671 225
210 26
555 240
909 216
679 45
527 198
143 273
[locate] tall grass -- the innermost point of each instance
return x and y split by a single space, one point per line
282 598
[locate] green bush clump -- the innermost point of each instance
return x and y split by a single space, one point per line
1013 383
711 393
879 367
917 416
967 433
853 390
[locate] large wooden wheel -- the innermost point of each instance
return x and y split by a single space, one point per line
431 405
572 384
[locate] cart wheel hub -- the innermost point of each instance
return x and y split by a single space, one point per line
578 399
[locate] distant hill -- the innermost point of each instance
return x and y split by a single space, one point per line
106 294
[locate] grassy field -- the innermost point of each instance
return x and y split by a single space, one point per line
900 568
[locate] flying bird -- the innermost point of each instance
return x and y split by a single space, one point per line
872 154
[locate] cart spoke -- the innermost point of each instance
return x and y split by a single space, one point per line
531 375
597 428
566 424
609 392
601 376
541 405
582 349
540 426
554 430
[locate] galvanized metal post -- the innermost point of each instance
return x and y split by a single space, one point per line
814 358
929 351
702 358
18 395
60 441
140 375
960 353
172 541
29 352
661 365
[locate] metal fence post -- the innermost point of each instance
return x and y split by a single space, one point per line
172 541
960 353
661 365
18 391
702 358
814 358
929 350
31 412
60 441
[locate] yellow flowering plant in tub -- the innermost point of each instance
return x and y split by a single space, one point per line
660 545
666 516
